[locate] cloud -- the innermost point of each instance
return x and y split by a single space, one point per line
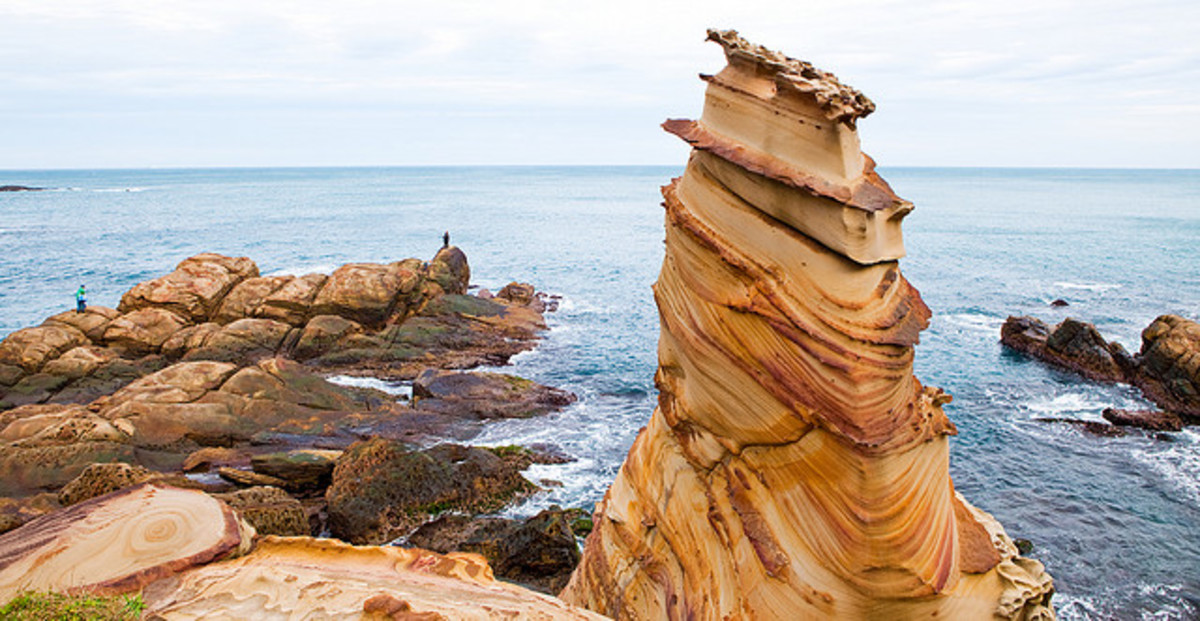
610 68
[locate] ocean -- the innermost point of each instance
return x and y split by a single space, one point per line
1115 520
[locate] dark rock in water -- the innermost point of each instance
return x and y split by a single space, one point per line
1072 345
1024 546
485 395
382 489
540 552
1059 303
1169 369
1154 420
19 188
1090 426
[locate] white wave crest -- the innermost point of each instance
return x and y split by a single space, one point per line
1088 286
1077 404
1178 462
301 270
402 389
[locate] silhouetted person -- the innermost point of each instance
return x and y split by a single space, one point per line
80 300
446 239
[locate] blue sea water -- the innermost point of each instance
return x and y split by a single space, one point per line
1116 520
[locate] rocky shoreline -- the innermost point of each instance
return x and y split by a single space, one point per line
1166 369
213 378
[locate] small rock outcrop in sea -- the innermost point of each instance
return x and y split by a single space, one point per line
19 188
794 467
1166 369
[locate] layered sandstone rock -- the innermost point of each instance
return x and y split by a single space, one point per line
303 578
794 468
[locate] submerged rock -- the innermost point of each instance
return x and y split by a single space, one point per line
485 395
794 467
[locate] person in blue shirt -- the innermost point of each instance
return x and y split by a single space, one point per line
80 300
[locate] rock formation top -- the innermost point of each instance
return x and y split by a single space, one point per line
792 127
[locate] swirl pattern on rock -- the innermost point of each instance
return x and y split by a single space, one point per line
794 468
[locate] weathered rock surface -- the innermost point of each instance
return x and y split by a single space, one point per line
382 489
320 578
390 320
539 552
1072 345
794 468
485 395
1166 369
120 542
1153 420
100 479
1169 365
302 470
270 510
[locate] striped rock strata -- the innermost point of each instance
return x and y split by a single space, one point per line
794 468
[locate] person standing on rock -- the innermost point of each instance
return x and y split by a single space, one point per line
80 300
446 239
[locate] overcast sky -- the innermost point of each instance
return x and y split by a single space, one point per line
140 83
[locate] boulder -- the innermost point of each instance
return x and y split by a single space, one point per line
1169 369
368 293
449 269
270 510
242 340
485 395
381 489
92 322
189 339
248 478
539 552
143 331
100 479
80 361
30 348
42 468
292 302
1072 345
302 469
518 293
322 334
245 298
194 289
1153 420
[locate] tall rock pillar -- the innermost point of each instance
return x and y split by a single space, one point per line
794 467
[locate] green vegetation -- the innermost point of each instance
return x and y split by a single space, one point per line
39 606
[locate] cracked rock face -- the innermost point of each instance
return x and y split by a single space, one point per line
795 467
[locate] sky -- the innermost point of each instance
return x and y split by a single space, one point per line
184 83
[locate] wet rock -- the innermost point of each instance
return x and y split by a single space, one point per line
1024 546
100 479
1059 303
1072 345
302 469
381 489
1153 420
270 510
36 388
485 395
211 456
1092 427
1169 370
19 188
194 290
